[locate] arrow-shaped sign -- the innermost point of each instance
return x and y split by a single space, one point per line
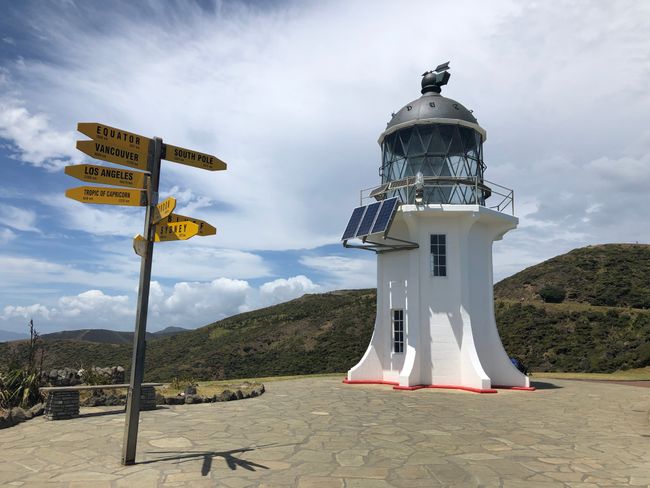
106 175
193 158
140 245
205 229
108 196
116 137
177 231
135 158
163 209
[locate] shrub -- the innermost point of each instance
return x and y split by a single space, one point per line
552 294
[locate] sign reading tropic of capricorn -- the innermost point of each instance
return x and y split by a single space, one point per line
137 187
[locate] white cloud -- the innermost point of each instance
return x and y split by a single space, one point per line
6 236
186 304
35 140
282 290
19 218
343 272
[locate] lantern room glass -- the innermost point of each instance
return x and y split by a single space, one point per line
436 150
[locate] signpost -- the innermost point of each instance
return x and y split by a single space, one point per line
128 149
107 176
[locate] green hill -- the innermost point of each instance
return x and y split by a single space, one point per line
615 275
329 332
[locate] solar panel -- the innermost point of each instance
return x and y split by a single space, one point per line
368 219
384 216
353 224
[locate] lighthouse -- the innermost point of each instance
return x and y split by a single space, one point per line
431 221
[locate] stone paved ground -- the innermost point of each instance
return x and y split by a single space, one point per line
320 433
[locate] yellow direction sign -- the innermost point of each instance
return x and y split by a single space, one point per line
114 154
177 231
139 245
108 196
106 175
111 135
205 229
163 209
193 158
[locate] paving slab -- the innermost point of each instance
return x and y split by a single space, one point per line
318 432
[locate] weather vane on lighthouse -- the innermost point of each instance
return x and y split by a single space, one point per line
432 230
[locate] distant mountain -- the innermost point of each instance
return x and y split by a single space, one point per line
6 335
105 336
613 275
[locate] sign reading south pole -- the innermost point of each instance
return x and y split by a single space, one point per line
193 158
106 175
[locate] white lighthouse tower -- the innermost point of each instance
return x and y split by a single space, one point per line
432 229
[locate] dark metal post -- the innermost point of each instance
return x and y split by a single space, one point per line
137 364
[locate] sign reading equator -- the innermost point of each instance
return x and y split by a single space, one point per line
193 158
114 154
108 196
106 175
111 135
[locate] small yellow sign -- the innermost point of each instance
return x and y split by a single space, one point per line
163 209
205 229
108 196
140 245
111 135
106 175
193 158
114 154
177 231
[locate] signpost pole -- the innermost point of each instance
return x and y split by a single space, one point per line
137 365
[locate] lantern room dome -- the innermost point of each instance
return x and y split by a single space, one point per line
431 105
433 108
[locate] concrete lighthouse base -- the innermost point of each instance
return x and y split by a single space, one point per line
435 323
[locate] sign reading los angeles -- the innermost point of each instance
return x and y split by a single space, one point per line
108 196
193 158
107 176
135 188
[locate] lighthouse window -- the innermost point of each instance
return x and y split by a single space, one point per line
438 255
398 330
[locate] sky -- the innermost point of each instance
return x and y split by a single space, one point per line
293 96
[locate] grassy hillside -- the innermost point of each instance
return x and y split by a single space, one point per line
615 275
312 334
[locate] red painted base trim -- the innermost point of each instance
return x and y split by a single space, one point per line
396 386
517 388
